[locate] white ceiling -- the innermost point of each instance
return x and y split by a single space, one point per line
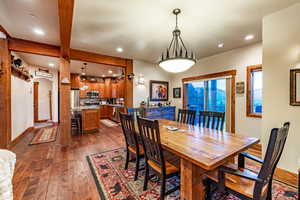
142 28
20 17
93 69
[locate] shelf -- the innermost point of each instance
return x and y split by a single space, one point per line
20 74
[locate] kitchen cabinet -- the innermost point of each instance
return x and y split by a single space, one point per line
75 81
90 120
107 88
121 89
114 90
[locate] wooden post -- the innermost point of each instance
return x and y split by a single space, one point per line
65 107
5 94
128 85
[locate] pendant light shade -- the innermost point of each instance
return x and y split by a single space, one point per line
177 58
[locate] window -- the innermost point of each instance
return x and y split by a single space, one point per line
207 95
254 91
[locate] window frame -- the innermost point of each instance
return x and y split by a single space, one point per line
250 70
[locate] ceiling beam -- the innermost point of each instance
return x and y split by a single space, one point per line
15 44
97 58
65 12
27 46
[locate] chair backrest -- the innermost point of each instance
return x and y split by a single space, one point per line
149 132
186 116
274 151
214 120
128 127
137 112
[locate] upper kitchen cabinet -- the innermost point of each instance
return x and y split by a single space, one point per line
121 88
107 88
75 81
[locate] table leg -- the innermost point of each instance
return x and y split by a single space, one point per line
191 186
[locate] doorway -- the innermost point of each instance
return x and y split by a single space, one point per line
42 102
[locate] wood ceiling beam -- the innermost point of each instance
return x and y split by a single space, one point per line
97 58
26 46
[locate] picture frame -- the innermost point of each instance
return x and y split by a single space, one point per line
240 87
295 87
159 90
176 92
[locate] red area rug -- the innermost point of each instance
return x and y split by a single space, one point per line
114 182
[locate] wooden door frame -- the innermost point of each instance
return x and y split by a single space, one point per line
36 101
231 73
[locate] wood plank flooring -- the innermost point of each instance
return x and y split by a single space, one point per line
50 172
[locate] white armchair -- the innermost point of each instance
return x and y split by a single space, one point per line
7 166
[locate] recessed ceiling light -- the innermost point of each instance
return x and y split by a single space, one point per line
103 75
38 31
221 45
119 49
114 74
249 37
51 64
109 71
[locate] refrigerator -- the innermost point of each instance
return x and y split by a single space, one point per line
75 99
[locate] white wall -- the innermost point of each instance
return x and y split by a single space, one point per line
237 59
21 106
45 86
150 72
281 50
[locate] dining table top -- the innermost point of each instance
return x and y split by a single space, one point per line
205 147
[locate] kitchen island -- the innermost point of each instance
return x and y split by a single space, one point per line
90 115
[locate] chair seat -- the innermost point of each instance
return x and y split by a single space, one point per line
235 183
133 150
170 168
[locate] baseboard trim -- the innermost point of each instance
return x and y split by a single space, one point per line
287 177
20 137
42 121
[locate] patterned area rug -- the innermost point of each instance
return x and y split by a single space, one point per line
108 123
44 135
114 182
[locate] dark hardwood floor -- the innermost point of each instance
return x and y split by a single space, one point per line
48 171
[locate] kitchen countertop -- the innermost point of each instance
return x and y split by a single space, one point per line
80 108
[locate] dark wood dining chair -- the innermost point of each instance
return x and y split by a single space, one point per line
136 112
247 184
242 156
186 116
213 120
155 158
133 146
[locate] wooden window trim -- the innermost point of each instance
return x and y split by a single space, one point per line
231 73
251 69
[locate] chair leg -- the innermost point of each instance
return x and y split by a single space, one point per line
207 184
162 187
269 194
146 178
127 159
137 162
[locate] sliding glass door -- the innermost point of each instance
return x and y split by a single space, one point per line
207 95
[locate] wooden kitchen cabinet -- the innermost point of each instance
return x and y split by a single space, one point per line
90 120
121 89
107 88
101 89
114 90
75 81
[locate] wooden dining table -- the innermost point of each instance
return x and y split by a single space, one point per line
200 150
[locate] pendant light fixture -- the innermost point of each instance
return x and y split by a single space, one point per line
83 74
177 58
